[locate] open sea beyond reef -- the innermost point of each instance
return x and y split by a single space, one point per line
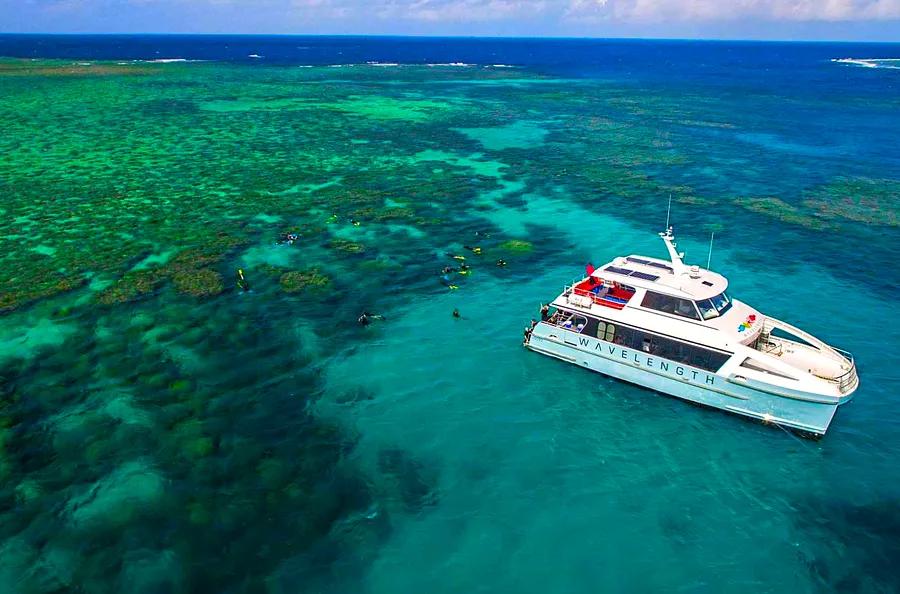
163 432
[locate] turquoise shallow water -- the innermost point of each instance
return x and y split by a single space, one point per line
162 431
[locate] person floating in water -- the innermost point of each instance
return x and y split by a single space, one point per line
501 263
456 313
448 269
289 238
475 250
241 281
366 318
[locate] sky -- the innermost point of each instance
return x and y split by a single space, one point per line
859 20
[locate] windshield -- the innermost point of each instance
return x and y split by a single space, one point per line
714 306
721 302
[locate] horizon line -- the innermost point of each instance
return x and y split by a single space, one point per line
445 36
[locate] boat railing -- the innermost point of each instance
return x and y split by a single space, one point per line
849 378
571 289
846 381
576 295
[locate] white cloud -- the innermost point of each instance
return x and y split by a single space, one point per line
549 12
732 10
461 10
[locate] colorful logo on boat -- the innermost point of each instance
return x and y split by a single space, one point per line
746 324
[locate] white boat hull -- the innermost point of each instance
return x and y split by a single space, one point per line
683 381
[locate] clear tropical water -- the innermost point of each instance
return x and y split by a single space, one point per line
163 431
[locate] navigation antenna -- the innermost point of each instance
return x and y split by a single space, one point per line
668 210
709 255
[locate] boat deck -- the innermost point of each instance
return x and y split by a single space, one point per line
615 296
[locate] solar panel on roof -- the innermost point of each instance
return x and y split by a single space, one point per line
644 275
660 265
637 260
618 270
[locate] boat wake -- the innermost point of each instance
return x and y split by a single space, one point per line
889 63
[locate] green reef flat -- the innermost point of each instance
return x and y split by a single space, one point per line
162 430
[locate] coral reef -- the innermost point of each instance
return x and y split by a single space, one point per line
296 280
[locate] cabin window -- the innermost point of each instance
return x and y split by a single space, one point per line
670 304
721 302
591 328
707 309
671 349
714 306
606 331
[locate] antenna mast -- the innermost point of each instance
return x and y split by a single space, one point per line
668 210
709 255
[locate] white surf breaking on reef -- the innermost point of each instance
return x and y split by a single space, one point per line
889 63
170 61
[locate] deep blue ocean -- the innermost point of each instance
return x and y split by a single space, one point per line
471 464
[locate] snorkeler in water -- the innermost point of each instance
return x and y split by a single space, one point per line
289 238
456 313
475 250
501 263
366 318
241 281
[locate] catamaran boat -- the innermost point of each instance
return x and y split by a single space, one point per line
671 327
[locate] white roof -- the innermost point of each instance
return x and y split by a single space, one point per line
692 283
672 277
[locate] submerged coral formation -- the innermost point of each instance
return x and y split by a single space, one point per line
870 201
168 420
296 280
